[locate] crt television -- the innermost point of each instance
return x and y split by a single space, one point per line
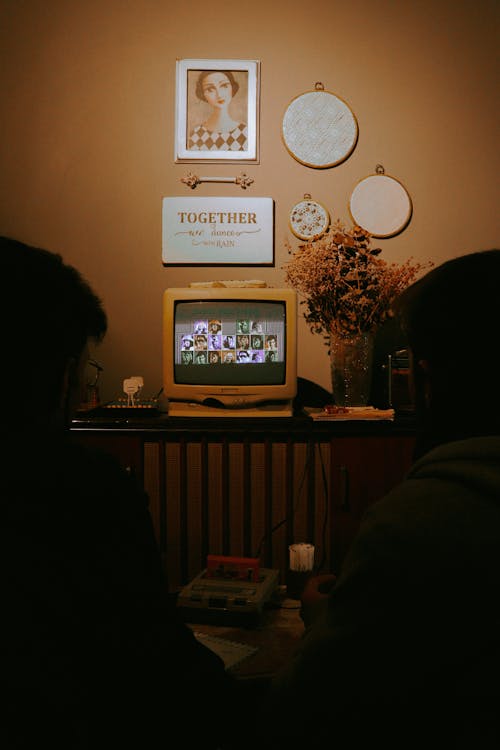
230 351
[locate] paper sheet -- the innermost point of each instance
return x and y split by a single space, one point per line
231 652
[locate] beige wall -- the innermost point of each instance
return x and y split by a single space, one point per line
86 139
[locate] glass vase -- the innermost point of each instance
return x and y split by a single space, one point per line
351 359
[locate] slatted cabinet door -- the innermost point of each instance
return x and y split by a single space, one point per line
253 493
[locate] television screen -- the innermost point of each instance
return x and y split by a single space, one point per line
229 351
230 342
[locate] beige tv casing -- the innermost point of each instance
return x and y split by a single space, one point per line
247 400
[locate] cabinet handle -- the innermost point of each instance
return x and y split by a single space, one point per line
344 488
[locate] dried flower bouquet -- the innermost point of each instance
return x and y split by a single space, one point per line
346 287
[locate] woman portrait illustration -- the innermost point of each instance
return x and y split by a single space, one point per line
217 110
217 115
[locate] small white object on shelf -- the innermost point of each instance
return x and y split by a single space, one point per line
132 386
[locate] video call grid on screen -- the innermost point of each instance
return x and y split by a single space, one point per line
229 332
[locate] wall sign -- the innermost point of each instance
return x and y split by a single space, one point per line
218 231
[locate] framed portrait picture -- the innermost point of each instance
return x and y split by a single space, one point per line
217 111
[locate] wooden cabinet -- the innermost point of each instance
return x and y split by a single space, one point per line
126 446
363 470
138 455
251 488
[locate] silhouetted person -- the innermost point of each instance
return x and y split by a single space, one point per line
93 653
402 650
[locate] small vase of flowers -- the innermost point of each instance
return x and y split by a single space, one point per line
347 291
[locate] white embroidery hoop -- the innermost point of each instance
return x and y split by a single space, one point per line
380 204
319 128
309 219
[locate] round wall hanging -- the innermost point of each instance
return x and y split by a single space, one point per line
309 219
319 129
380 204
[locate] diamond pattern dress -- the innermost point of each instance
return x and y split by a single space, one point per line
202 139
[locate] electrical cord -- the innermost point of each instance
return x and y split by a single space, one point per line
267 535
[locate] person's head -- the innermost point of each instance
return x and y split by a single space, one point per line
50 314
216 87
451 319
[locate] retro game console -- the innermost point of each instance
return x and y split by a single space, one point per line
232 589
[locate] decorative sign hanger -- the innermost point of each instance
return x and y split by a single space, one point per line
192 180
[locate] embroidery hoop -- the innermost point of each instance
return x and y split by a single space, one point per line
319 129
380 204
309 219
